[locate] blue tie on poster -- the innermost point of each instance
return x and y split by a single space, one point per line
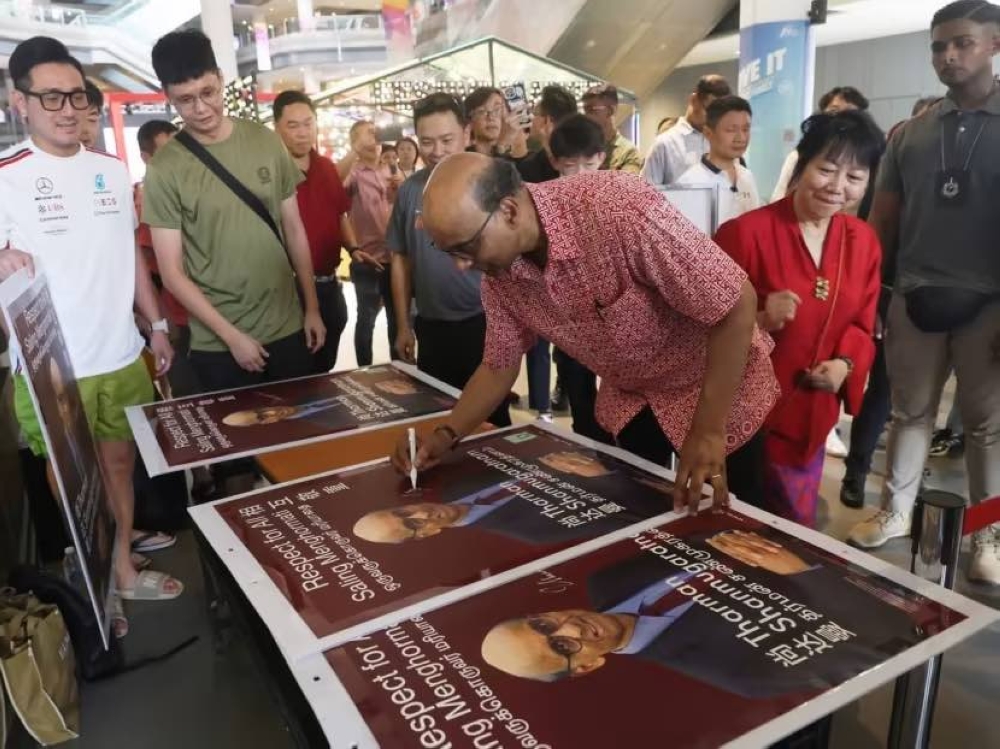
776 77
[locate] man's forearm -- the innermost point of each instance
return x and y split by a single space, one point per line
146 299
483 393
298 254
347 233
345 165
197 304
728 345
402 289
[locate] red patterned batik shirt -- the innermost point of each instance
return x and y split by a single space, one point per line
631 289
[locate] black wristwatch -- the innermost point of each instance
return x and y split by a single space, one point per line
450 433
848 361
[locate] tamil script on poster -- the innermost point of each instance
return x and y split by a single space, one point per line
45 369
348 547
692 633
205 429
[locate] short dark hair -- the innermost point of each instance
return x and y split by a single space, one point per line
386 147
498 180
479 97
287 98
851 134
410 141
150 130
606 91
438 103
848 93
924 102
712 85
576 136
723 106
38 50
979 11
182 56
556 103
95 97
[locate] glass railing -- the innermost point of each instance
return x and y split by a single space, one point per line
54 14
339 24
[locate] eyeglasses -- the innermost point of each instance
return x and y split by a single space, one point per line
409 521
595 108
207 96
54 101
467 250
564 647
496 113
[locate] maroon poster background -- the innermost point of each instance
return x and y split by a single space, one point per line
208 428
443 679
340 549
73 454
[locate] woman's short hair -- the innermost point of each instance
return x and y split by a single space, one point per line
850 135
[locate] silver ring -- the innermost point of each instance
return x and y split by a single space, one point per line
716 476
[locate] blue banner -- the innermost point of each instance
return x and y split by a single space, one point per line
776 77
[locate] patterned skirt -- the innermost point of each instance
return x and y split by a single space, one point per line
792 492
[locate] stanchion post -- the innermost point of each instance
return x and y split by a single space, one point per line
937 540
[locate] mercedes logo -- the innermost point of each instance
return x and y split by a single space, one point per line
44 185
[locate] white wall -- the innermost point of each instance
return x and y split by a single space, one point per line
892 72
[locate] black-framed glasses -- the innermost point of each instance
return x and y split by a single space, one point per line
54 101
467 250
413 524
564 647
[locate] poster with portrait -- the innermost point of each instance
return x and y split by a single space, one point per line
200 430
334 552
44 368
733 629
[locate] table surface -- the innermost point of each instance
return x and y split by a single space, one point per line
299 462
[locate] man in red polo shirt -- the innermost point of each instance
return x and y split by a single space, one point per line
324 205
602 266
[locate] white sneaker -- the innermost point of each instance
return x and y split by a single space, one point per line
879 528
985 564
546 417
835 446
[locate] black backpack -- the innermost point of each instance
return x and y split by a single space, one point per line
92 660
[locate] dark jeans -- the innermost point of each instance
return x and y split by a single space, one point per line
539 360
871 420
580 386
744 467
374 291
452 351
333 310
182 378
217 370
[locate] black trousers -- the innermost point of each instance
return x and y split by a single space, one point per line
644 437
373 289
580 386
451 351
871 419
333 311
217 370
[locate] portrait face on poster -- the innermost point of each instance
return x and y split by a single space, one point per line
45 370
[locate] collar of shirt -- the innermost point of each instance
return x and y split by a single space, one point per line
478 512
990 106
684 127
648 628
309 409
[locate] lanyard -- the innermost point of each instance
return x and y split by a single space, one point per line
972 150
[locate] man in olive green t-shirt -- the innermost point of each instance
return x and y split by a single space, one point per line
216 256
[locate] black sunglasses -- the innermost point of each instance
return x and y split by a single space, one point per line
564 647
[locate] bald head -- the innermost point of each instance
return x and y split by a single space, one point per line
259 416
408 522
477 210
514 648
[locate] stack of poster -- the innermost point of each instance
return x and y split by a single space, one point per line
44 368
532 592
200 430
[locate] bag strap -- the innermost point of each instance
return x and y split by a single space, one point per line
229 180
149 660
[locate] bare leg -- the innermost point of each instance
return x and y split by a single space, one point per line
117 463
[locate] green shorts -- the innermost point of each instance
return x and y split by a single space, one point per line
105 398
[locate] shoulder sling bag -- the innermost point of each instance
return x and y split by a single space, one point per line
239 189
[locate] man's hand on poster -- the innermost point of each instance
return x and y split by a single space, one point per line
755 551
163 352
315 330
779 309
828 376
702 461
11 261
406 345
366 258
429 451
247 352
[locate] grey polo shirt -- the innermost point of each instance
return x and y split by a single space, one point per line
442 291
953 246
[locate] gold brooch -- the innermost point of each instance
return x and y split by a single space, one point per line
822 290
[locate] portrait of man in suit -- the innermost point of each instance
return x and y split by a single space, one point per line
322 411
497 508
644 608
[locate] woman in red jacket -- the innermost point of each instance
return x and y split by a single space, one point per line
816 273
